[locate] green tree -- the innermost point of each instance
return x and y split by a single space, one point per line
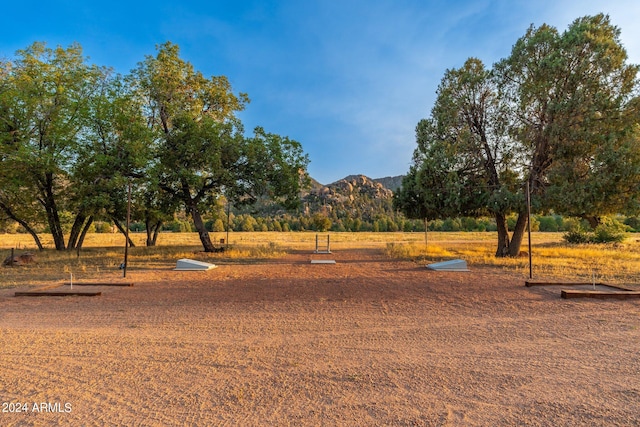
321 222
46 97
113 151
200 148
218 226
557 113
569 98
463 155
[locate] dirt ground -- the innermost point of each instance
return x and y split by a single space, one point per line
367 341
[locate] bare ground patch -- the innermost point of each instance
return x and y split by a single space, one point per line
367 341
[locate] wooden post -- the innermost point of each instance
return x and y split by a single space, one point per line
12 255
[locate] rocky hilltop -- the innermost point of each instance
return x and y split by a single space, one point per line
353 203
355 196
393 183
352 188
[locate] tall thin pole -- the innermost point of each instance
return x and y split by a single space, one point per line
126 231
228 221
426 234
529 229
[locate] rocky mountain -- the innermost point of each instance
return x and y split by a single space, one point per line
354 186
393 183
354 203
355 196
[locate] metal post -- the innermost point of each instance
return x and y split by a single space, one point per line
228 221
529 229
126 231
426 234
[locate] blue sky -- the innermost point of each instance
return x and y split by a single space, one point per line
348 79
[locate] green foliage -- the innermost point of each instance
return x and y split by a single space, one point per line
200 149
548 223
178 226
103 227
247 223
218 226
321 222
46 99
559 113
577 237
609 231
633 222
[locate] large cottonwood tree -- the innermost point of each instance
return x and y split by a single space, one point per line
45 99
114 150
200 150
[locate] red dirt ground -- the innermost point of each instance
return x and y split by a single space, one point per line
367 341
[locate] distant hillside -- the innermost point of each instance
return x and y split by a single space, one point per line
393 183
355 196
315 184
354 203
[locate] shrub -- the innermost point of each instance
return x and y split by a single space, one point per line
609 231
571 224
548 223
105 227
452 224
633 222
177 226
576 237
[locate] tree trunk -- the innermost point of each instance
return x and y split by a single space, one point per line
123 231
593 221
84 232
24 225
76 229
53 219
152 231
202 231
33 234
156 232
56 229
518 234
503 236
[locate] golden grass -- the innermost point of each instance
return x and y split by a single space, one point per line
103 253
551 257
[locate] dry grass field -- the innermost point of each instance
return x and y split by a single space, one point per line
268 338
103 253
